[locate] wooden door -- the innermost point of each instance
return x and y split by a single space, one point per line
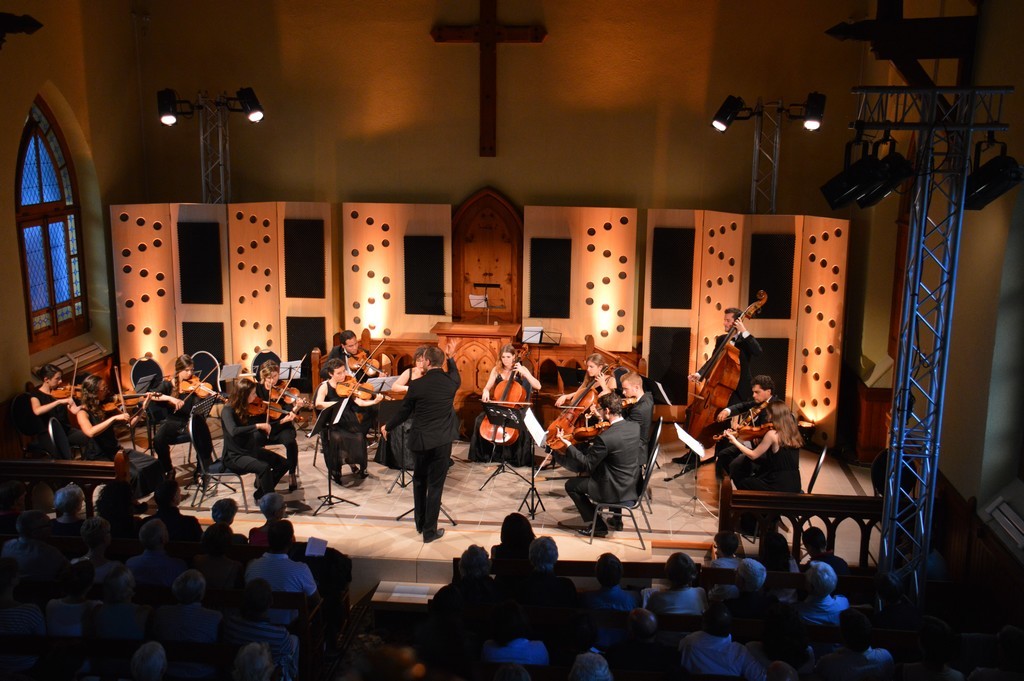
487 247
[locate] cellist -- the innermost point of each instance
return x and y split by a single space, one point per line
509 369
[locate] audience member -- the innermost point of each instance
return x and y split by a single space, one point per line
12 501
280 571
68 503
96 535
784 638
272 507
681 597
253 663
516 537
856 659
779 558
590 667
935 641
611 596
64 616
224 511
751 601
817 549
116 618
509 642
820 606
896 611
542 587
37 560
219 571
511 672
712 650
17 619
180 527
781 671
641 650
154 566
116 505
1011 658
188 621
149 662
252 625
475 582
442 641
726 546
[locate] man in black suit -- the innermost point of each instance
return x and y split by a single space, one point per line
748 347
611 461
429 403
728 459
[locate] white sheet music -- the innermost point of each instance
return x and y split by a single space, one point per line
340 411
291 370
229 372
478 302
537 431
690 442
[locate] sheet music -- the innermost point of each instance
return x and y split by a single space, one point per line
291 370
382 384
340 411
478 302
690 442
537 431
230 372
661 391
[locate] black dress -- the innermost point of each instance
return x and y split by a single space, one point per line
281 433
775 472
519 453
344 442
75 436
393 451
145 472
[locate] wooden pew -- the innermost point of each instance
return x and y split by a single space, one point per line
56 474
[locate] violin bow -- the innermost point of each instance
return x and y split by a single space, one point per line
289 381
74 375
370 355
120 392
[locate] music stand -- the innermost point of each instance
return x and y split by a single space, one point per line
328 417
698 450
290 370
531 500
503 418
482 301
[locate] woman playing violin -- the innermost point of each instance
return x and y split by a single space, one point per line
282 430
48 400
174 408
344 442
97 424
243 450
481 448
777 455
597 367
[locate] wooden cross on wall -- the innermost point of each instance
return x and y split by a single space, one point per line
488 33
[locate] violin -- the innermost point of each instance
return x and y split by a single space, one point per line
361 361
259 407
195 386
362 391
584 398
285 395
589 432
750 432
629 401
66 391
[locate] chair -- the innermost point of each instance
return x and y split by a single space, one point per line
207 368
817 469
28 425
61 445
259 359
605 508
652 442
210 475
147 371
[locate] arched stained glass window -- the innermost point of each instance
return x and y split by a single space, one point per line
49 234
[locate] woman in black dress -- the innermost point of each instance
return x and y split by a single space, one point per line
243 452
344 442
777 457
519 452
45 405
282 432
176 400
392 452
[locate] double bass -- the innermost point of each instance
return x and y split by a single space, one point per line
512 395
723 375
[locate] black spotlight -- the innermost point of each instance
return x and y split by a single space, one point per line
167 106
895 170
854 180
250 104
814 110
991 180
727 113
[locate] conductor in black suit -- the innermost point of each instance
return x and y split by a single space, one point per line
611 461
430 403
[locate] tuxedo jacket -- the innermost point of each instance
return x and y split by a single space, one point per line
429 403
640 414
611 461
748 347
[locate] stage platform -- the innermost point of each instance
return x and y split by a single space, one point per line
384 548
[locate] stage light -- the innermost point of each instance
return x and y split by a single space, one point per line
727 113
814 110
854 180
250 104
894 170
991 180
167 106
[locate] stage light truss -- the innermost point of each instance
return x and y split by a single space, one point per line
764 174
945 120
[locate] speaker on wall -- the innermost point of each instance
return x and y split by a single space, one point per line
669 361
207 336
773 361
771 270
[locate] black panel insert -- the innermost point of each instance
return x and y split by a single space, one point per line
670 360
304 258
550 277
207 336
672 268
303 334
199 263
773 360
424 275
771 270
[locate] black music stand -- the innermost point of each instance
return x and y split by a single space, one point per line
531 500
327 418
504 418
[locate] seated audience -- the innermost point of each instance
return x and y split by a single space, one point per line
726 546
820 606
116 505
579 635
17 619
219 571
149 662
641 650
154 566
511 672
778 557
116 618
509 642
224 511
784 639
96 535
280 571
12 501
780 671
896 611
254 663
516 536
712 650
272 507
751 602
856 659
590 667
475 582
37 560
817 549
681 597
935 641
68 503
252 625
611 596
1011 658
64 616
188 621
180 527
542 587
441 640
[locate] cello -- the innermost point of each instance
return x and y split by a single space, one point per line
513 395
723 375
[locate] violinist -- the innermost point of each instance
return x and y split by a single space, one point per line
174 400
728 459
345 441
597 367
639 408
282 430
97 424
745 343
520 451
243 450
352 355
49 400
777 455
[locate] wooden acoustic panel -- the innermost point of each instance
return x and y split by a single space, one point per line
720 243
254 260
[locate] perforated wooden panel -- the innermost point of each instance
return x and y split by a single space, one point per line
254 260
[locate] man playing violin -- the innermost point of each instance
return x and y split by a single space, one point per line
748 347
180 395
282 429
345 442
638 407
728 459
353 356
481 448
48 401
